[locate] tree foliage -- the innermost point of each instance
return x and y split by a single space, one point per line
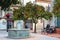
37 12
56 8
6 3
32 11
47 15
18 14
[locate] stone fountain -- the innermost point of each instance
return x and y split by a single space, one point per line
19 31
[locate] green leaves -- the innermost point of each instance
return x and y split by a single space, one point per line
56 8
15 1
47 15
31 11
17 14
6 3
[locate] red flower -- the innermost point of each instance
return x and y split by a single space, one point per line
7 14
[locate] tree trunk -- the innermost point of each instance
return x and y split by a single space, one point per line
43 24
5 12
35 28
13 23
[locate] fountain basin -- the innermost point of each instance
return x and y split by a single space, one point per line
18 33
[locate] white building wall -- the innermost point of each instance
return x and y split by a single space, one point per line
39 25
3 24
26 1
2 13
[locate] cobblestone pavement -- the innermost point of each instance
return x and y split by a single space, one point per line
4 34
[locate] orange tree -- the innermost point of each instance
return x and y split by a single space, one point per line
56 8
22 13
37 12
31 11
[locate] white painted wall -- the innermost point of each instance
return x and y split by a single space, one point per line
25 1
39 25
45 22
2 12
3 24
53 21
